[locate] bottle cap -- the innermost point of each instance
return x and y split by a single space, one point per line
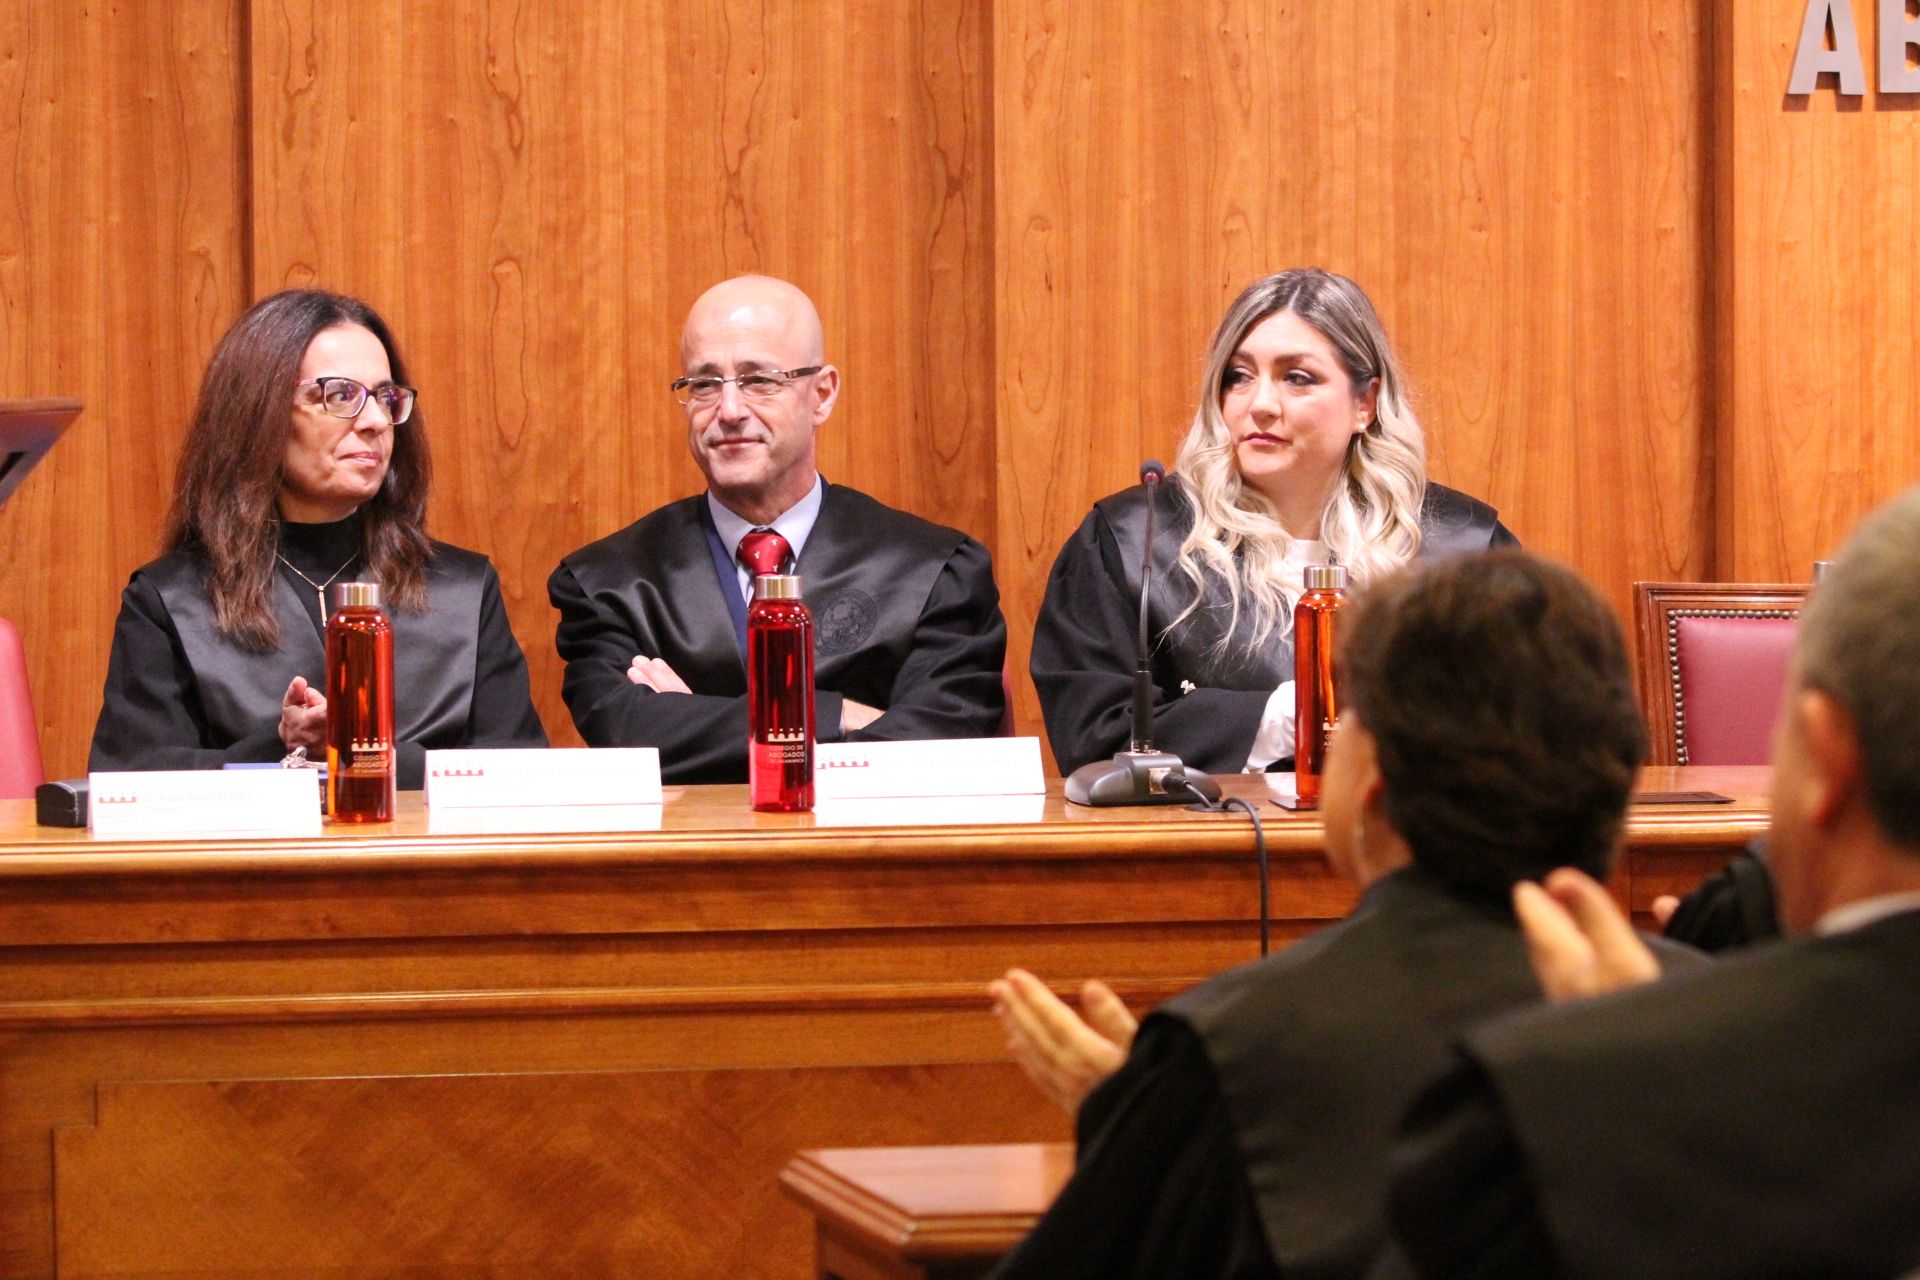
1322 577
354 595
777 586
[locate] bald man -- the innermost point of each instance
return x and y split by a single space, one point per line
909 641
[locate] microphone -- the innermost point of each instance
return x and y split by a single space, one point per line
1140 774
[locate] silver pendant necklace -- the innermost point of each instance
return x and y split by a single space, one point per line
319 588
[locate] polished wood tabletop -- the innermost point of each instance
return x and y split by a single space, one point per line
708 821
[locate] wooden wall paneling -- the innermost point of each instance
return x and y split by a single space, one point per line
121 232
562 185
1066 185
917 418
327 198
436 160
1462 162
537 212
49 280
743 120
1554 315
535 196
1821 297
842 146
526 290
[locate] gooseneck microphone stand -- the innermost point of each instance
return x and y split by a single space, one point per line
1140 774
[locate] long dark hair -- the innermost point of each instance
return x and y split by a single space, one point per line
235 455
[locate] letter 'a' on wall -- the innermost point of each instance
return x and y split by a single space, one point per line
1899 37
1813 58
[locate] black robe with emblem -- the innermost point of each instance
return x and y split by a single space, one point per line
1207 702
179 695
1758 1120
906 619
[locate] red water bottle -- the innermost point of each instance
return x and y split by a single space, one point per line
360 759
780 721
1316 697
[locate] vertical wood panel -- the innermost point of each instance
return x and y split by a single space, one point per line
544 191
120 265
1821 294
1521 190
917 258
1069 175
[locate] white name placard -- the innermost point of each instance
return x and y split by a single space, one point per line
538 777
941 767
187 803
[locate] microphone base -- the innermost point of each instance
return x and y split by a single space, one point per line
1134 777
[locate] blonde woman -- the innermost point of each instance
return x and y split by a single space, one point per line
1304 451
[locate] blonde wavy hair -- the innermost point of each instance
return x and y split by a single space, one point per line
1372 522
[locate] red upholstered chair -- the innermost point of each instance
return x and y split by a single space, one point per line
19 740
1713 663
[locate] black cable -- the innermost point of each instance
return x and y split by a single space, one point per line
1260 851
1176 780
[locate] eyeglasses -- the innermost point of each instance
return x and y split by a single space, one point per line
345 398
757 386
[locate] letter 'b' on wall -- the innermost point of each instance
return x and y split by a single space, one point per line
1899 35
1812 57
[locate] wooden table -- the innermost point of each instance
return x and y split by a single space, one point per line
394 1051
923 1213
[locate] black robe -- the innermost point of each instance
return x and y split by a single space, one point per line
1246 1135
906 619
1084 639
1760 1119
179 695
1731 909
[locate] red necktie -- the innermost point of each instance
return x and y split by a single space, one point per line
763 551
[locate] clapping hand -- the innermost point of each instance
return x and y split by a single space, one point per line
1580 942
1063 1054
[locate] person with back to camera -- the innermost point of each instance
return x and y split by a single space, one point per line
1760 1119
1490 734
1304 451
306 464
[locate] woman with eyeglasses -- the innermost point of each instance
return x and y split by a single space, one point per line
306 464
1304 450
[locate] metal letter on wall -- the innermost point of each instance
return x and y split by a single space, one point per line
1813 57
1899 35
